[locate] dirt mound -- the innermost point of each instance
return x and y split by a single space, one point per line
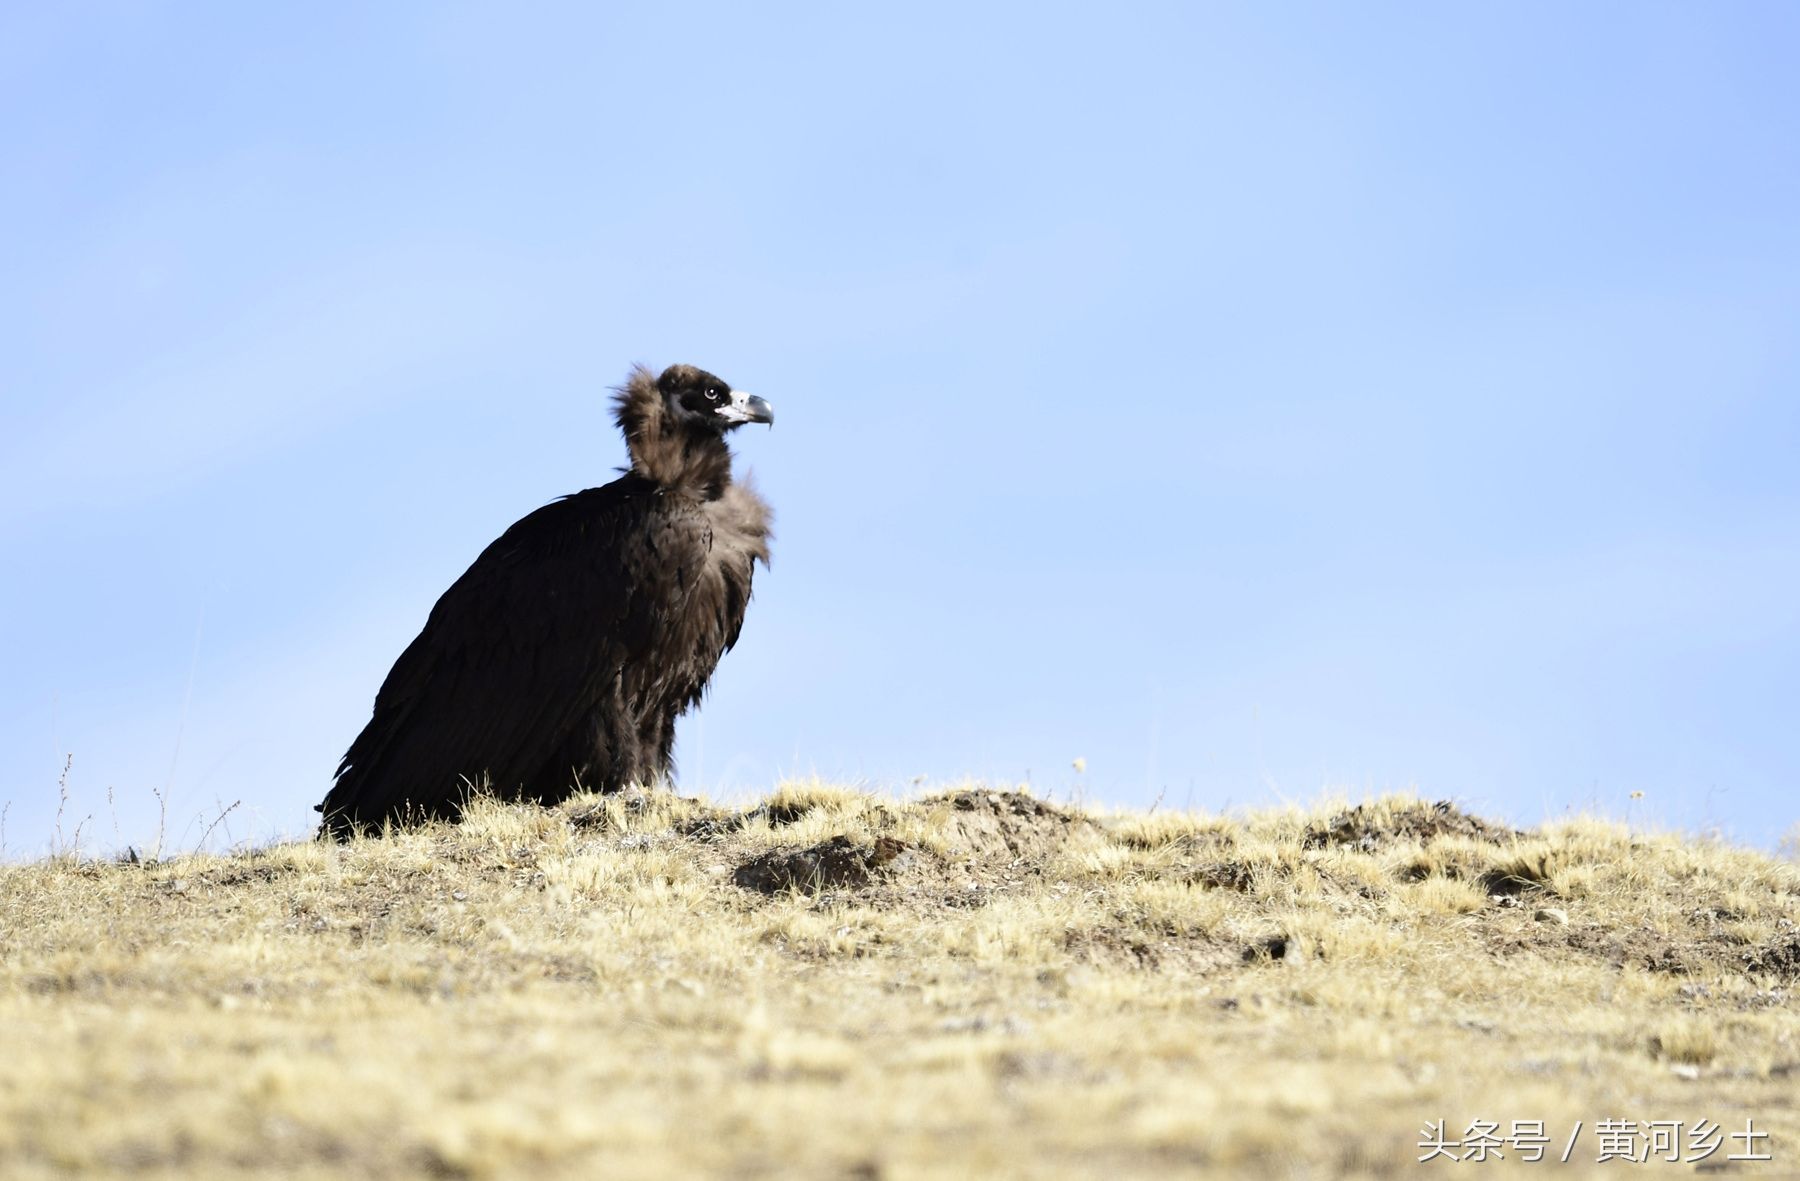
1367 827
837 863
1006 826
984 840
1781 960
715 823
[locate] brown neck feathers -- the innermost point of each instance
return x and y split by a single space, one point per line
694 460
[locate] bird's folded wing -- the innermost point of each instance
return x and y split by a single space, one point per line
513 656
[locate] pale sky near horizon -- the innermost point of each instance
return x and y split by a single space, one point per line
1255 401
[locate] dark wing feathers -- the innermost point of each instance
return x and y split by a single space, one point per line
524 644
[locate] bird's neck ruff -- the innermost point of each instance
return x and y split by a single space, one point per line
693 460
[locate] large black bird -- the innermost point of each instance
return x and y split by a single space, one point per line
560 660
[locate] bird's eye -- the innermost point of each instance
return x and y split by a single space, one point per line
712 393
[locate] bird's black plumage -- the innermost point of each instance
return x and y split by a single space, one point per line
561 658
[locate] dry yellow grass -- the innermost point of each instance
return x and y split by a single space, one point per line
834 984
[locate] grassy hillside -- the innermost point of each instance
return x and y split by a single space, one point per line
834 984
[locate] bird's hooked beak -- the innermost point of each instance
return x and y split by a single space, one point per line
744 408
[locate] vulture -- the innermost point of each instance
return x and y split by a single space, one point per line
560 660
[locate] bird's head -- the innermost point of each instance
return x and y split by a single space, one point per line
697 401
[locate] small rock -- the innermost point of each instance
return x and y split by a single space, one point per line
1552 914
1686 1070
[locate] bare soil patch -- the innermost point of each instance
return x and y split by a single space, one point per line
1780 959
1008 828
988 839
837 863
1368 827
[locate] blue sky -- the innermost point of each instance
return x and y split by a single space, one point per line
1256 401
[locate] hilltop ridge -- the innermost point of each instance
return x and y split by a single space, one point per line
832 983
